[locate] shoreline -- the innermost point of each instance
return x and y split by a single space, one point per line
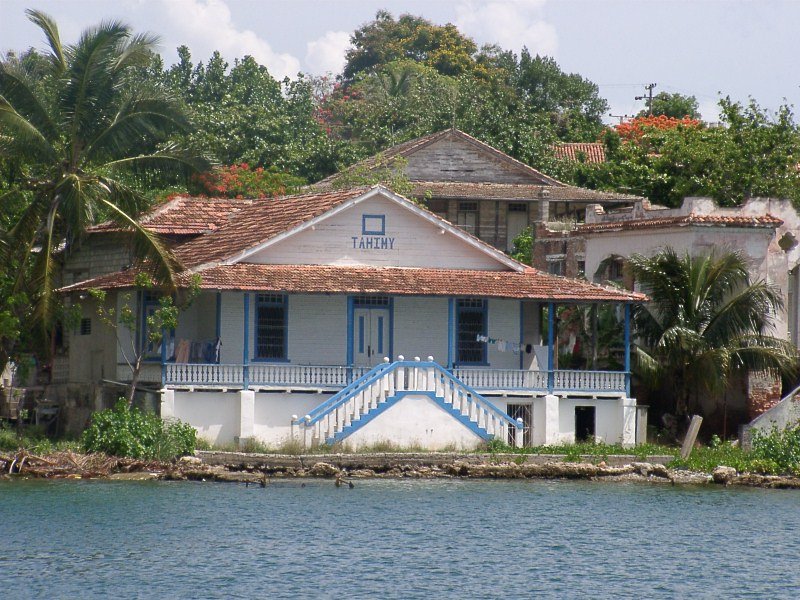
259 469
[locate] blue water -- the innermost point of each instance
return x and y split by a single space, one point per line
396 539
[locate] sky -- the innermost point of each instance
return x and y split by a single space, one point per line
705 48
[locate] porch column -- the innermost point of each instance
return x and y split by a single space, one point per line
167 403
628 418
247 412
451 315
246 344
163 357
349 349
551 326
546 421
627 349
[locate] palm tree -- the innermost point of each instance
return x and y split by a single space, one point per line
79 132
705 321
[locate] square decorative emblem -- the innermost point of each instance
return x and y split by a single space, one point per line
373 224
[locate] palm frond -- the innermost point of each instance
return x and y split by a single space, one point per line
57 55
23 138
147 245
172 158
139 120
16 88
136 52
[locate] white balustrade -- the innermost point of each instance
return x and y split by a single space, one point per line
422 378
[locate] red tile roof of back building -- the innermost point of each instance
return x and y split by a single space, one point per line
765 221
331 279
593 152
259 222
186 215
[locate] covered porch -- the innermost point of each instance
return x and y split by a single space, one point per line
324 342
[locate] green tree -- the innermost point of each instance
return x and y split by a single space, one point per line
705 321
124 322
386 39
572 103
74 133
673 105
752 153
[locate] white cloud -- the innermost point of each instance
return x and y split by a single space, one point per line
326 54
206 25
510 23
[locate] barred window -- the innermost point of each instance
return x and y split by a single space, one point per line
271 326
470 323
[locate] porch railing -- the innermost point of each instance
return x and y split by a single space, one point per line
337 377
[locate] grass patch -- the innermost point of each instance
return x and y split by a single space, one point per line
34 440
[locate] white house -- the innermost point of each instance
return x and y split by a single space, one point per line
357 316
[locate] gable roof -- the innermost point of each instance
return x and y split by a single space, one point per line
263 223
588 152
529 284
408 148
185 215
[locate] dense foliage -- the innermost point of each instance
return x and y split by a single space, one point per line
240 181
128 431
77 132
706 320
750 153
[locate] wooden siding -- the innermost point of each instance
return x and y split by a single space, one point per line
414 243
503 325
317 330
454 159
232 325
420 328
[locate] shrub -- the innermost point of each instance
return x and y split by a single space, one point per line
780 449
128 431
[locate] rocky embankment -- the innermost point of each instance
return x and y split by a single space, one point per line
261 469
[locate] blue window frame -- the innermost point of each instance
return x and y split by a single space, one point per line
471 321
272 327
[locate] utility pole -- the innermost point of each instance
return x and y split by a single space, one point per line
649 87
620 117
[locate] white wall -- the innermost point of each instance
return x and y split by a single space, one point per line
415 421
608 419
414 241
215 415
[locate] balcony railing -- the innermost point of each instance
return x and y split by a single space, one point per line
331 377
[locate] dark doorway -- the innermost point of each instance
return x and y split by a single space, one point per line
584 423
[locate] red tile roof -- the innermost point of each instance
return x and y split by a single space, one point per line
316 279
184 215
258 223
765 221
592 152
514 191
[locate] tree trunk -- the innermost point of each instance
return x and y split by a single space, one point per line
137 367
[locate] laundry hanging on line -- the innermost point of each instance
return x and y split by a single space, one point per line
505 345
